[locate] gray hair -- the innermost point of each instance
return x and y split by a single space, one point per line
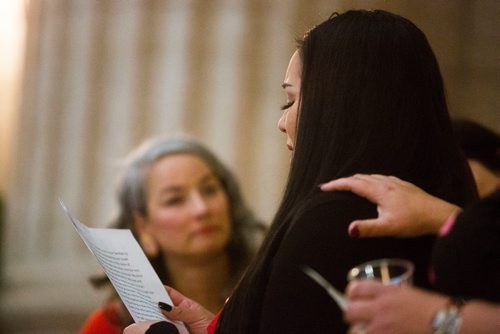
247 231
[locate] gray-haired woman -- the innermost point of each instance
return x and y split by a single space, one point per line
185 208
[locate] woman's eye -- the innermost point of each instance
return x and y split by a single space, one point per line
173 201
287 105
210 189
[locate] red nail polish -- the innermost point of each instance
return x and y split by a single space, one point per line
354 232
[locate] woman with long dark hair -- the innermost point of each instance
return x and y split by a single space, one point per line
364 95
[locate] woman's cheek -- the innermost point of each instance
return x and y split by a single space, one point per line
168 224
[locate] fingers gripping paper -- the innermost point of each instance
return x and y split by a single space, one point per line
128 269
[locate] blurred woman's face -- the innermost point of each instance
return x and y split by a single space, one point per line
187 208
288 121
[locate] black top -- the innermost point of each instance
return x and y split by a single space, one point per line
292 302
162 327
466 261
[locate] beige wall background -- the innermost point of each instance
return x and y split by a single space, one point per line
98 77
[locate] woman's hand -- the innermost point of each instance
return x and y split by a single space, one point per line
193 315
378 309
404 210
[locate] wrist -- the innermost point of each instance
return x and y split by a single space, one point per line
441 211
480 317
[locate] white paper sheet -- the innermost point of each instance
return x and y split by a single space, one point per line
128 269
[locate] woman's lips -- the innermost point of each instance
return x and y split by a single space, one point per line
205 230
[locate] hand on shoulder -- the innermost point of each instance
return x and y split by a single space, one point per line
404 210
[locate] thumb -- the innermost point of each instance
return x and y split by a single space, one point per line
367 228
180 312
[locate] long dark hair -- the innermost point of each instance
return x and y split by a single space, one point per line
372 101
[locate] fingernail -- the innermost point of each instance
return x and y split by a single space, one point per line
165 306
354 232
321 184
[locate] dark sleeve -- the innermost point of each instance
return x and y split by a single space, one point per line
162 327
292 302
466 261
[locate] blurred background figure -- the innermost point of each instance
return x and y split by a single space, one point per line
186 210
481 146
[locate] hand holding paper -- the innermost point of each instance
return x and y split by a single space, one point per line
128 269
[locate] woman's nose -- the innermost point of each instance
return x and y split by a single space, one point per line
199 204
281 123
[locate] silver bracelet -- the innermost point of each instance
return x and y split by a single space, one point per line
448 319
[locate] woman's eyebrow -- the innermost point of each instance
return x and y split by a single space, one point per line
171 189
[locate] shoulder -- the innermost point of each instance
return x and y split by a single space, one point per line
339 205
103 320
325 217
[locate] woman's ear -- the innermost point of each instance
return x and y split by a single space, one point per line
139 222
146 240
